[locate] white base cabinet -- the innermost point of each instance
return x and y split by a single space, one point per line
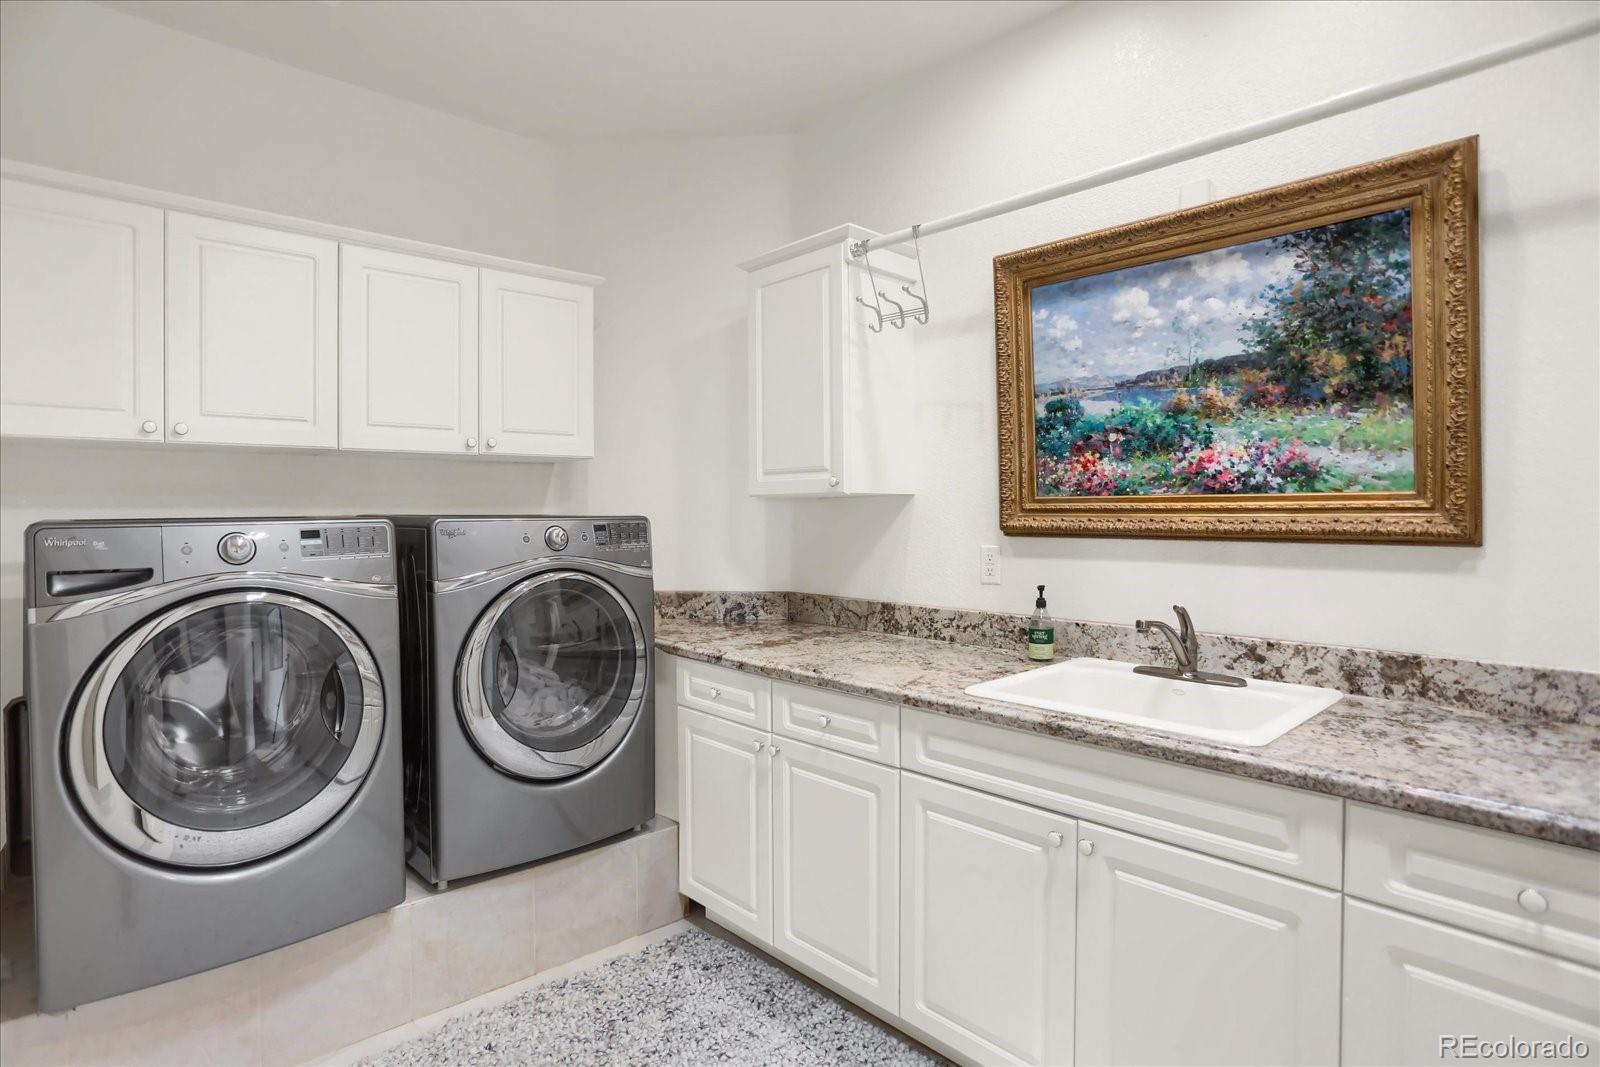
945 875
836 868
1416 991
1187 959
987 914
724 840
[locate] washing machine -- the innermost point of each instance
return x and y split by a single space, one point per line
214 739
527 647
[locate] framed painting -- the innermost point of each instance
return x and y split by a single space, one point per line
1298 363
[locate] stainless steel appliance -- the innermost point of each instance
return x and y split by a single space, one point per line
214 742
527 652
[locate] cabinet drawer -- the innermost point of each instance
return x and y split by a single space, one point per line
1259 824
856 726
1534 893
742 698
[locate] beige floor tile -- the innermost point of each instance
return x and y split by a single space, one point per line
659 903
207 1018
337 988
584 903
470 939
34 1041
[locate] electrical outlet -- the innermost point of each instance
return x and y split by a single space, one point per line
989 564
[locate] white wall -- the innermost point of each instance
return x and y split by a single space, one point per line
1101 83
665 222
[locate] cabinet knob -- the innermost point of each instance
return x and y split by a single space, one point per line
1056 839
823 721
1533 901
180 428
759 745
714 691
472 442
773 749
491 442
149 426
833 482
1086 847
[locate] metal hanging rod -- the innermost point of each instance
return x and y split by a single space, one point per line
1334 105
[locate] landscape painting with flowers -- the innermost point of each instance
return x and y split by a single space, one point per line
1295 363
1280 365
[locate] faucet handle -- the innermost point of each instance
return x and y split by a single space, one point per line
1185 626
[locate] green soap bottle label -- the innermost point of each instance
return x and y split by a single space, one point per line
1041 642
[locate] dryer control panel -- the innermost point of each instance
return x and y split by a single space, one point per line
475 544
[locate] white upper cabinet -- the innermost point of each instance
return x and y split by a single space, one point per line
408 352
252 335
536 374
80 315
1183 958
831 401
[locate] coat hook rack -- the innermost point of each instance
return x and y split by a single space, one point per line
896 318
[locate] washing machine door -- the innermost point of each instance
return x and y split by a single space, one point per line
552 675
225 729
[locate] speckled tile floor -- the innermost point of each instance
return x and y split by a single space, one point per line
689 999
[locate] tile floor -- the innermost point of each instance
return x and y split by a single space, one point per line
308 1000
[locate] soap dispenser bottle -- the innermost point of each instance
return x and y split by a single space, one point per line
1041 634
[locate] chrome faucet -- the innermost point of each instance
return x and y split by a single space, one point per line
1185 649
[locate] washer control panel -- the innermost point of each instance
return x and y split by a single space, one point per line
622 534
344 540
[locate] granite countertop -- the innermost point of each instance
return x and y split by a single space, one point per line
1526 776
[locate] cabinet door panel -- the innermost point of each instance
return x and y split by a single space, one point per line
796 357
724 841
1183 958
986 911
252 335
536 393
836 868
408 352
1412 985
81 344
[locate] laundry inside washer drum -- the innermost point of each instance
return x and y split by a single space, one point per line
560 667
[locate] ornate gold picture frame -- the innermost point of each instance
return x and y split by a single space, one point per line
1295 364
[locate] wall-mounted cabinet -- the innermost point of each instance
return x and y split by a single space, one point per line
832 402
81 344
150 317
536 371
408 342
252 335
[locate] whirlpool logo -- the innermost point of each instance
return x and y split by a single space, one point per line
453 532
72 542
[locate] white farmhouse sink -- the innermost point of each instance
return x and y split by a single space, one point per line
1256 714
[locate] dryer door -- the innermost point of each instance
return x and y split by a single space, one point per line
225 729
552 675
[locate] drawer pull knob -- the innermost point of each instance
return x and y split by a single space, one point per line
759 745
1056 839
1086 847
774 751
823 721
1533 901
714 691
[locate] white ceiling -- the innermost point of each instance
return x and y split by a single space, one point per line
605 69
